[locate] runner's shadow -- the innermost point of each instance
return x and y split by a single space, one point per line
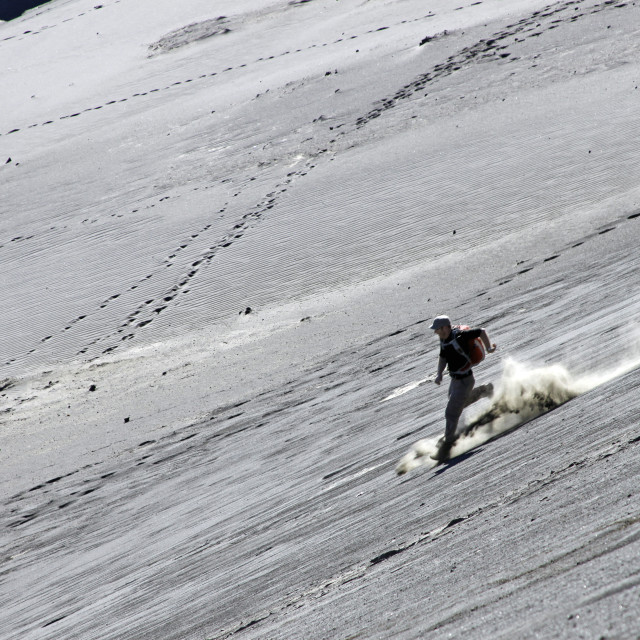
457 460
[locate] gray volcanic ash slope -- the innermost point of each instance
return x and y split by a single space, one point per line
223 233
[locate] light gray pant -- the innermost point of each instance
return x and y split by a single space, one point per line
459 395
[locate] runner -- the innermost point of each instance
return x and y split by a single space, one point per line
456 345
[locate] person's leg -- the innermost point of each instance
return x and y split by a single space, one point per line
459 391
481 391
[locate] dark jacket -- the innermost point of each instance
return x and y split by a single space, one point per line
457 362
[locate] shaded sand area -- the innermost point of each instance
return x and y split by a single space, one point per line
223 236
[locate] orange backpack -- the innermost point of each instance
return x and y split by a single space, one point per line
476 348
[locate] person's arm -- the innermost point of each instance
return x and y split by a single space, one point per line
442 363
487 343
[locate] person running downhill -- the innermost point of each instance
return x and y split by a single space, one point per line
455 349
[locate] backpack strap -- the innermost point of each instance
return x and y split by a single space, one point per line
456 345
